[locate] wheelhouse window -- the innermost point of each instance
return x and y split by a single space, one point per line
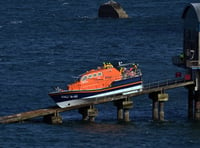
100 74
94 75
84 78
90 76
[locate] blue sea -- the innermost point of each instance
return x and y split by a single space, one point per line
47 43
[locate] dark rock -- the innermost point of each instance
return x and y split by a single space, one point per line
112 9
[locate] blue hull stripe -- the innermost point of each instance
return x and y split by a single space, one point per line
72 95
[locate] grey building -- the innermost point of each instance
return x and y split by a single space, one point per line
191 45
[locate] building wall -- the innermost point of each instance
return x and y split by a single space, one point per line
191 35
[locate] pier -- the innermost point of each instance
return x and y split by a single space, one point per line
123 103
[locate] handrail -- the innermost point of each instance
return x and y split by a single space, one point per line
177 60
162 83
193 63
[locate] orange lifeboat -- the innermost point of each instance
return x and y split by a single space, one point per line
103 81
101 77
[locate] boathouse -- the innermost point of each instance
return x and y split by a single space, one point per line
191 44
191 55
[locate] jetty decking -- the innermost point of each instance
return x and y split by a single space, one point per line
123 103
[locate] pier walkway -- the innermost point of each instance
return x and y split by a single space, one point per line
148 88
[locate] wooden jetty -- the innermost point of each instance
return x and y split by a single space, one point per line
122 102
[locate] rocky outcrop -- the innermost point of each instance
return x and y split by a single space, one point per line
112 9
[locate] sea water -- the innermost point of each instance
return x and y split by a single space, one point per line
48 43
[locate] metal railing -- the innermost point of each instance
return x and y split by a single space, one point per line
176 60
192 63
162 83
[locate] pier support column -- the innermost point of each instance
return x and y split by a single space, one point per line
197 105
92 113
83 112
161 112
158 99
53 118
162 97
88 113
123 107
126 115
155 109
127 105
197 96
191 102
120 111
154 97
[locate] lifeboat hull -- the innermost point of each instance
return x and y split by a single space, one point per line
72 98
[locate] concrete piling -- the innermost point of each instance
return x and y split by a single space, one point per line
88 113
83 112
158 99
120 113
53 119
123 107
191 96
155 109
127 105
126 115
161 111
92 113
197 105
162 97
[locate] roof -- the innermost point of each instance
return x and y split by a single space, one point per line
196 7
